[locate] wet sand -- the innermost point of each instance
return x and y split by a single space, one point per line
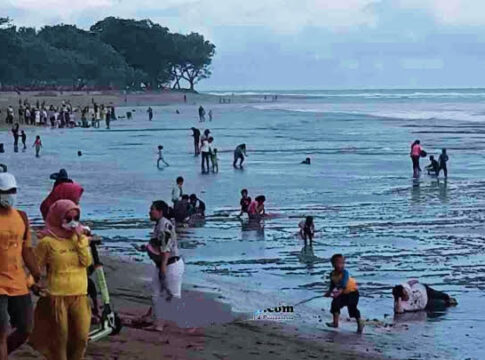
217 333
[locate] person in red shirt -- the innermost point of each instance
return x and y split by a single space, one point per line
416 151
64 189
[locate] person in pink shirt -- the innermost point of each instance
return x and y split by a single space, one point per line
256 208
415 155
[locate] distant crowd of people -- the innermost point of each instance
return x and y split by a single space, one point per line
62 116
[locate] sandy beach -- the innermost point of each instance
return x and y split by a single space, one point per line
389 227
218 333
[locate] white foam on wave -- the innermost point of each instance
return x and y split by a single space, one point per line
474 113
384 94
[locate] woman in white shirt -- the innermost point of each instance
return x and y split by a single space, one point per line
205 150
414 296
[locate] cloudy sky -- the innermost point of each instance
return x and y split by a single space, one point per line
306 44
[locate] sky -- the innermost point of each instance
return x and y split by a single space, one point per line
305 44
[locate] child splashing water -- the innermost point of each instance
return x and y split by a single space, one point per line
343 290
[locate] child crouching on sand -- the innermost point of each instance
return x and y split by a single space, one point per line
344 291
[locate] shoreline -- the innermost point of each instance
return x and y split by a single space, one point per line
219 333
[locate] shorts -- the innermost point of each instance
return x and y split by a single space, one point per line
19 310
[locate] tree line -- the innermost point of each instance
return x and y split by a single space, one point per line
116 53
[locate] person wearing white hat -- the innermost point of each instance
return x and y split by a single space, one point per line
15 251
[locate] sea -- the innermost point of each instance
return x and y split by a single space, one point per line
359 189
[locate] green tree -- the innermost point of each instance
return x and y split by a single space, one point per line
146 46
192 59
97 62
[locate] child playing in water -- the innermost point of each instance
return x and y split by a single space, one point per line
256 208
38 145
215 165
343 290
443 160
307 229
160 157
245 201
433 168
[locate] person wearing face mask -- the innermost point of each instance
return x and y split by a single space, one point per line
15 251
62 318
66 189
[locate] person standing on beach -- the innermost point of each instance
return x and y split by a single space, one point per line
9 119
416 151
177 191
205 150
113 113
38 145
15 133
62 318
16 245
443 160
201 114
343 289
214 160
24 140
210 115
108 118
169 266
239 154
150 113
185 98
196 136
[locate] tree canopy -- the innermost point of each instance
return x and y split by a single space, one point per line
119 53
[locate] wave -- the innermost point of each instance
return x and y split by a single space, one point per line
385 94
398 114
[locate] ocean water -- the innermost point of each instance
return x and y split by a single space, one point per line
359 189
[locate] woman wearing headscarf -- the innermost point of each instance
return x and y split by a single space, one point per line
64 188
63 317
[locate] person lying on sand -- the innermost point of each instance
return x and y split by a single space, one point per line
414 296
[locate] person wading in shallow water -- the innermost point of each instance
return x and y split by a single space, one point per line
307 230
205 150
416 153
239 154
196 136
